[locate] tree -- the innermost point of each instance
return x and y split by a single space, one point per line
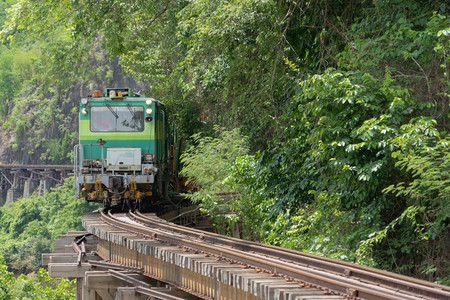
208 165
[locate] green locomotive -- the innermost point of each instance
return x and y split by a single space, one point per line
123 151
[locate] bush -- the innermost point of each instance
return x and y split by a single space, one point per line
356 176
35 286
29 226
209 165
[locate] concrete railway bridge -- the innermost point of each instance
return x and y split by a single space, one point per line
18 181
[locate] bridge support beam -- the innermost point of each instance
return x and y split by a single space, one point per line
2 197
80 285
28 188
11 196
65 270
125 293
104 285
44 186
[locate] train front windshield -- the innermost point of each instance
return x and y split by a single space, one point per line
117 118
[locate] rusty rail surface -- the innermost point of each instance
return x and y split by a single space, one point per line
340 277
341 268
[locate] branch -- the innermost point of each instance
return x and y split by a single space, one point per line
165 8
426 77
340 33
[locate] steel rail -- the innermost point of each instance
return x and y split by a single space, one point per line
143 287
155 294
323 278
112 266
129 279
346 269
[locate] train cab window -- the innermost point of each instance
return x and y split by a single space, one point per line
117 118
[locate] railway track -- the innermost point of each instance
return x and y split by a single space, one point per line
334 279
339 276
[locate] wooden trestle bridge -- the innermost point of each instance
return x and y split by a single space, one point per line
22 180
134 256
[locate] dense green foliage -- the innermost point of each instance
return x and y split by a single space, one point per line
35 79
335 164
236 63
229 62
36 286
39 73
209 166
29 226
359 169
347 103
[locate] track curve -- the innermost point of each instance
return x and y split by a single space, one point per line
339 277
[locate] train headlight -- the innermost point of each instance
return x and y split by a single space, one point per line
84 111
84 101
149 102
149 111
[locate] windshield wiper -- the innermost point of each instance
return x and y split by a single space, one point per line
132 112
112 111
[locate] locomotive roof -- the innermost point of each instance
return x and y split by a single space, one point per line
117 94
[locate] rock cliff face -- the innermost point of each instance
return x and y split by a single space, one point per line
49 138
